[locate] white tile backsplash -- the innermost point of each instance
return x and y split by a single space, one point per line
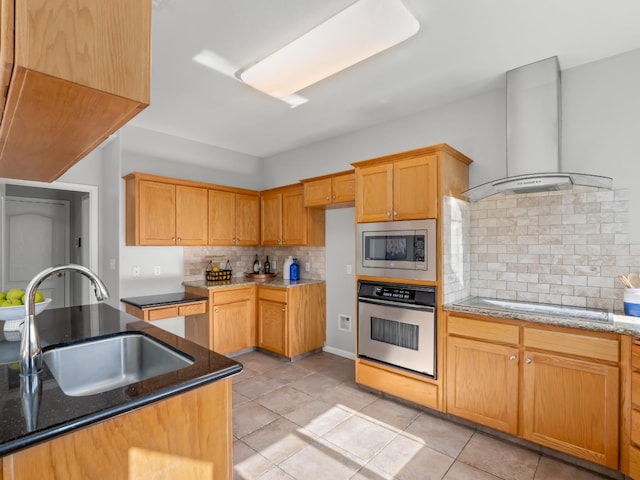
563 247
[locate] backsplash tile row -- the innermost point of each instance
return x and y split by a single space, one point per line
564 247
241 259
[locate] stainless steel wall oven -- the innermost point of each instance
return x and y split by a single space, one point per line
397 325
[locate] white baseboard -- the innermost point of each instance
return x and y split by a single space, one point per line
339 352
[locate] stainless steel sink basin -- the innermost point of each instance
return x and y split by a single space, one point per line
99 365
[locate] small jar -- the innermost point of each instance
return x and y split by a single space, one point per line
632 302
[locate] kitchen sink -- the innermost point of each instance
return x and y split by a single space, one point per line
102 364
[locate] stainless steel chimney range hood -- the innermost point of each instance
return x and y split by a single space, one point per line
533 136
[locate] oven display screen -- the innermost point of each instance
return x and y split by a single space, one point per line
395 293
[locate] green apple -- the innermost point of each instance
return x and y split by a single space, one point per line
39 297
3 296
15 293
7 303
16 301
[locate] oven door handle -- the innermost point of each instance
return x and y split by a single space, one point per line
410 306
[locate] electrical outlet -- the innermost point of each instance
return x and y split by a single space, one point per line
344 322
274 265
157 271
307 267
348 270
136 270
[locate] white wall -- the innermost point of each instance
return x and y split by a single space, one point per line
475 126
341 290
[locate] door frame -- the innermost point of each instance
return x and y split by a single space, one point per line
72 187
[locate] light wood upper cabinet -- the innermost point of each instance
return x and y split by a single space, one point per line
568 396
286 221
403 190
160 213
234 218
330 191
409 185
72 74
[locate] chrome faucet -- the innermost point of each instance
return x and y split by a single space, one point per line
30 351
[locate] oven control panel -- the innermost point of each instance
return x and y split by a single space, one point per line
401 293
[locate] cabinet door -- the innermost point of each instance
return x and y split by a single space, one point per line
317 193
374 193
233 327
272 326
247 219
415 192
482 383
157 213
294 217
571 405
191 215
343 188
222 217
271 219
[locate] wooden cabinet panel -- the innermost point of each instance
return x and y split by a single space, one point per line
271 218
81 70
570 343
247 219
272 326
415 188
482 383
191 214
294 218
286 221
157 213
374 193
234 218
184 436
483 330
332 190
571 405
222 217
233 319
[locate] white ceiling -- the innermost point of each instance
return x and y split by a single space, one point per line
463 48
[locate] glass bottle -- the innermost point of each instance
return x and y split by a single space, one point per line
267 265
256 265
294 272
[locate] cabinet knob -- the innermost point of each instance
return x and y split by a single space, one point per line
395 214
512 357
179 239
328 198
173 239
388 214
528 361
215 310
334 197
283 309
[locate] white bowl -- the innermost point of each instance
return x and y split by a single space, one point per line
17 312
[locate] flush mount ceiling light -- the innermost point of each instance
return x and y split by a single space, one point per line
358 32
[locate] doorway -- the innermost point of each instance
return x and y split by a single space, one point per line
44 225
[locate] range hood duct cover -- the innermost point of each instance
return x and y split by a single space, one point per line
533 136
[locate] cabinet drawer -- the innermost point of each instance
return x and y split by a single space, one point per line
231 296
273 294
635 427
483 330
573 344
192 309
160 313
635 388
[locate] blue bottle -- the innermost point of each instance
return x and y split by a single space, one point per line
294 271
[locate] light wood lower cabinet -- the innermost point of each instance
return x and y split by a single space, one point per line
482 383
292 321
558 387
185 436
287 321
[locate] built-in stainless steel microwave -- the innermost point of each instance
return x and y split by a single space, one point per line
400 249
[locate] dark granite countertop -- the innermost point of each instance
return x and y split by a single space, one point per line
149 301
58 413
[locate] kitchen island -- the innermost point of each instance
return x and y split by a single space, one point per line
178 421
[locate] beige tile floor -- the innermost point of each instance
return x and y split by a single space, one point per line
309 420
